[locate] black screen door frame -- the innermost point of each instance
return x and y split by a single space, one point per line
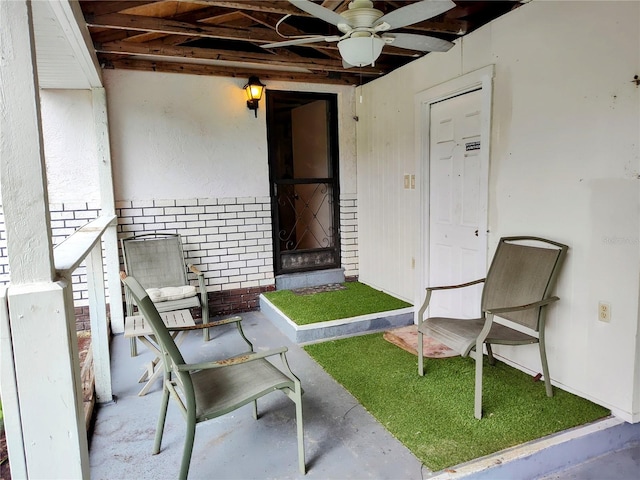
290 255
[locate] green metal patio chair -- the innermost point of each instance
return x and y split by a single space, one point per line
204 391
518 288
156 260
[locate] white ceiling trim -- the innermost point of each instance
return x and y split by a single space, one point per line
64 50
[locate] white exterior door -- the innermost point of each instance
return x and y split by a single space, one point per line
457 220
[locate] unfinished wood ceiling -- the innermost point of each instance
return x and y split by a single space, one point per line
223 38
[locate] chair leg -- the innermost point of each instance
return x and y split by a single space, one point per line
300 430
478 392
205 313
188 446
161 420
205 333
129 313
545 370
492 360
241 331
420 356
255 409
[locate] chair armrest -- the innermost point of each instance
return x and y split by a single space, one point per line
194 269
427 298
541 303
204 298
248 357
488 322
202 326
462 285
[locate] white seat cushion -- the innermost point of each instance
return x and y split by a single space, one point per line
171 293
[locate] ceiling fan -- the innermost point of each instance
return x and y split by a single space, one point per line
365 29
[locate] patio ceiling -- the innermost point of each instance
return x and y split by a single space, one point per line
223 38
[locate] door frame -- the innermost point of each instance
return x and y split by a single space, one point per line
479 79
334 179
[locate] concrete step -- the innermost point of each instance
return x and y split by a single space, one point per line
291 281
555 456
346 327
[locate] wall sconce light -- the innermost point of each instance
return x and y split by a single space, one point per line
254 90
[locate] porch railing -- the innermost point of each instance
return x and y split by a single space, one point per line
85 244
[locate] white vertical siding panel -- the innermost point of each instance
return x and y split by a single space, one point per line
385 208
564 164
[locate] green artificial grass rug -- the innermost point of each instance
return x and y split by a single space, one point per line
433 415
354 300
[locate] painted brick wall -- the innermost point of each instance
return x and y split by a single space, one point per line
229 239
65 219
349 234
4 261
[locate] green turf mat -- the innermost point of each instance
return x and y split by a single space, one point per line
433 415
356 299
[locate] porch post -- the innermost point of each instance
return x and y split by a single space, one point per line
99 325
107 203
46 435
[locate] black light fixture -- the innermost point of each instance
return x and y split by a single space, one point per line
253 89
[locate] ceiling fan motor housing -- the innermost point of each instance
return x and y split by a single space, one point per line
360 14
362 26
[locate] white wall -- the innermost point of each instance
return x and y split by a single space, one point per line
565 164
186 136
68 130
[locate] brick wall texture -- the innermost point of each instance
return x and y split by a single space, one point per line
228 239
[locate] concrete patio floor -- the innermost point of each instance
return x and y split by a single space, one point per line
342 440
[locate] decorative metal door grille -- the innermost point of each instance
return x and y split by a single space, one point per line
304 183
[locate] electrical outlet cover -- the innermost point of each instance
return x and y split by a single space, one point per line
604 312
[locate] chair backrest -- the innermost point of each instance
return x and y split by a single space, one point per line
523 270
155 260
171 354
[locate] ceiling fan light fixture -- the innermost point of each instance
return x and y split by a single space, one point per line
361 51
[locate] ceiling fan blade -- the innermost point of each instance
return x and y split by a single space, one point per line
415 13
422 43
320 12
301 41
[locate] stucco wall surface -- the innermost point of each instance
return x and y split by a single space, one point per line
187 136
71 158
564 164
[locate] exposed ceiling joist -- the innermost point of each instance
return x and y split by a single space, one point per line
218 37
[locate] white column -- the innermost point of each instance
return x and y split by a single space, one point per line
99 325
23 172
44 370
47 372
107 203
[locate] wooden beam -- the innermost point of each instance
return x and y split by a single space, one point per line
102 7
285 29
447 26
235 72
337 6
167 51
283 8
172 27
161 25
